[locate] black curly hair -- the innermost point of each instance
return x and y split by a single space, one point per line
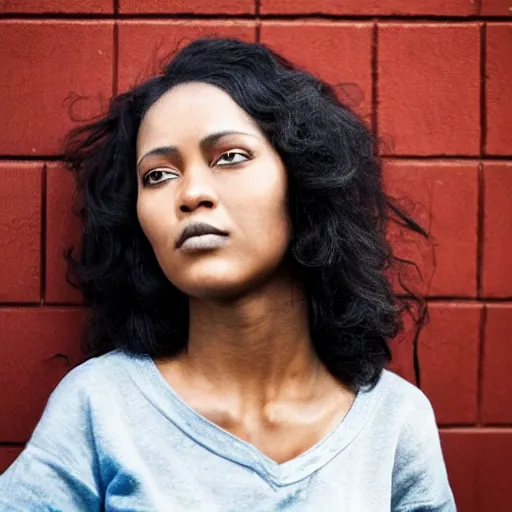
336 201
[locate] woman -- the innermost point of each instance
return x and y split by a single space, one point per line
234 258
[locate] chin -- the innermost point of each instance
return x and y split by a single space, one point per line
226 287
224 279
219 291
219 280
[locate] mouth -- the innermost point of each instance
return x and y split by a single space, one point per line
201 236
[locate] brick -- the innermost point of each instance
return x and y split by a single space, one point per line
461 455
28 369
56 6
497 243
369 7
494 491
340 53
63 230
497 365
448 355
448 359
429 88
498 70
496 8
442 196
478 463
144 46
8 455
20 231
187 6
59 72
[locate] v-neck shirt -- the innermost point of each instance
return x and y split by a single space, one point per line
115 436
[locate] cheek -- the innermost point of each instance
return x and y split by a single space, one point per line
144 215
260 209
156 224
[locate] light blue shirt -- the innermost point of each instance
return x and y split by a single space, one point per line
114 436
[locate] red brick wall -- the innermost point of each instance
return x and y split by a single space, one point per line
433 78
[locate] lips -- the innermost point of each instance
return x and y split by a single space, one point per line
198 229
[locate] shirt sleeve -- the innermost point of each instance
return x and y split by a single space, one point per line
420 479
58 469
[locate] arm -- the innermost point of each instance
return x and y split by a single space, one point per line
420 480
57 470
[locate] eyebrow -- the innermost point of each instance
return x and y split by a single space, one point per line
205 143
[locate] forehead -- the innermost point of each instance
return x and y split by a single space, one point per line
189 112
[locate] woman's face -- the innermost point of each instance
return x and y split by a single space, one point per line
201 159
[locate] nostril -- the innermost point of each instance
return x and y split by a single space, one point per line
192 203
185 208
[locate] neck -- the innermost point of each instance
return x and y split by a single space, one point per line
259 344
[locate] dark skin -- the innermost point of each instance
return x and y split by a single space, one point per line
249 366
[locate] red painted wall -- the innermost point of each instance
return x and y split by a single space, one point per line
432 77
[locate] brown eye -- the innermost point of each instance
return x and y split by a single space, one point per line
158 176
232 158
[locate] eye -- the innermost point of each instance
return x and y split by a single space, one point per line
232 158
158 176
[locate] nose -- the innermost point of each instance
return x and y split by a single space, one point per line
197 190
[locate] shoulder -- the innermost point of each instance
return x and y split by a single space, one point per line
402 398
403 412
83 388
420 480
92 375
399 388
